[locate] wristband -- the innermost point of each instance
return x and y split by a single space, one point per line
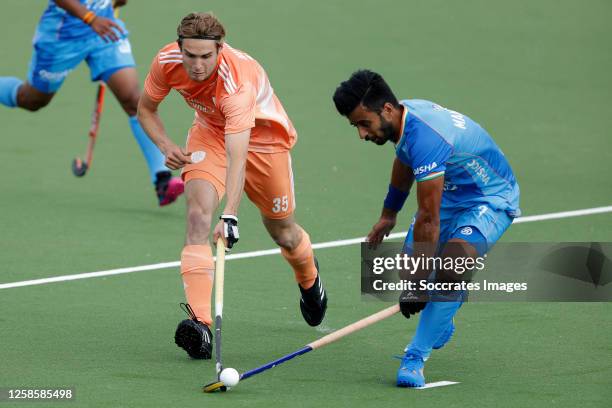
228 217
395 199
89 17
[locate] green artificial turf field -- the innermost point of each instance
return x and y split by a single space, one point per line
536 74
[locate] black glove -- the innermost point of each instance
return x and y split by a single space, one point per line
412 302
230 229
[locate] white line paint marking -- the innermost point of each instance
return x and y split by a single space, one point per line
266 252
437 384
564 214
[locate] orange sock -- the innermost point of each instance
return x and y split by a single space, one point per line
301 260
197 271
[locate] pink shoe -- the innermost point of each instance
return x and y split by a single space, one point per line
168 188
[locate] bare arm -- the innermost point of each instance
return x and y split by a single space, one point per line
426 234
427 223
402 179
104 27
236 146
401 176
152 124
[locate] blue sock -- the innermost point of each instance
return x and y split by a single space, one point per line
435 318
155 159
8 91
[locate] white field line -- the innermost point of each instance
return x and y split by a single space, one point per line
436 384
255 254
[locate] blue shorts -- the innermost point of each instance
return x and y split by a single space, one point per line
481 226
53 58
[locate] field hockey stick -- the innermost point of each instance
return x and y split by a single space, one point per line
323 341
80 167
219 279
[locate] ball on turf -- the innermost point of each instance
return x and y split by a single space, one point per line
229 377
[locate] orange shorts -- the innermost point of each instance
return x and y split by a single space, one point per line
268 177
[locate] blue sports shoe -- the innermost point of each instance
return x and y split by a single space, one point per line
445 337
410 372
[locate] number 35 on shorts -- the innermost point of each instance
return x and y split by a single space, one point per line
280 204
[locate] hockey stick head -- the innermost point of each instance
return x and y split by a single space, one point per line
79 167
214 386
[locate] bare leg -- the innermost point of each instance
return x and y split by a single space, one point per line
30 98
285 232
125 86
202 201
197 270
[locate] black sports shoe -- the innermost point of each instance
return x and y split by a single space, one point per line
313 301
193 336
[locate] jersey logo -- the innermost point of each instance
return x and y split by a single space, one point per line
53 76
197 105
423 169
198 156
125 47
450 187
466 231
479 171
194 103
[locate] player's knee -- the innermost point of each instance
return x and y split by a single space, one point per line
198 223
287 238
463 255
33 104
129 101
31 99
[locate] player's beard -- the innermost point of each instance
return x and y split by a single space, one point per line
387 130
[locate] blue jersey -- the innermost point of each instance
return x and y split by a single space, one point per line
56 23
436 141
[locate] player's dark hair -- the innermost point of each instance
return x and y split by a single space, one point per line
363 87
203 26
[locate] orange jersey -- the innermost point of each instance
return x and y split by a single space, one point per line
236 97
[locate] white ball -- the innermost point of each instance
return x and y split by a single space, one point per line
229 377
